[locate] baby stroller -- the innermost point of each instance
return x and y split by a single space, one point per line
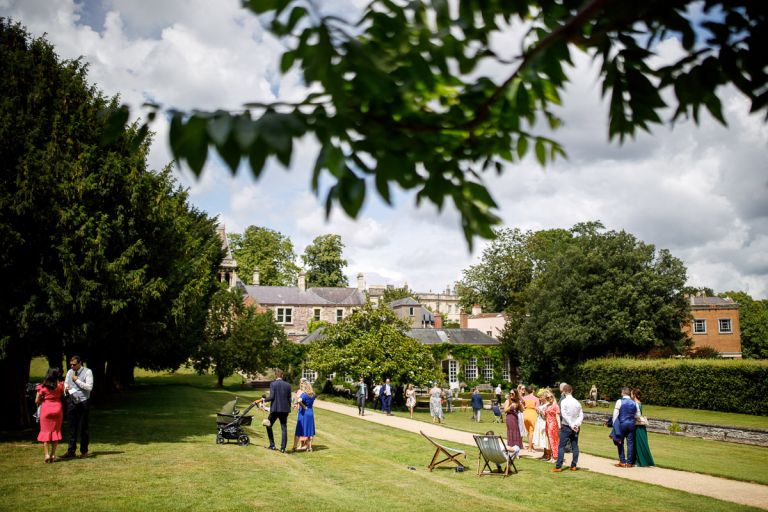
496 412
229 422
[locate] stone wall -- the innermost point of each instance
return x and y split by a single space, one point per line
717 432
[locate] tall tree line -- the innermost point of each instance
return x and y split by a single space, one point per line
98 255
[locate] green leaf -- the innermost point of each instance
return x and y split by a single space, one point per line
257 158
287 60
522 146
541 151
114 125
219 127
246 131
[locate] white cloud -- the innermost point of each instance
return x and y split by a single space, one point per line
699 191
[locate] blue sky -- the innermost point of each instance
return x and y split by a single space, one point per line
698 191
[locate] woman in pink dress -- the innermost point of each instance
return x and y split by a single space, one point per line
51 412
552 418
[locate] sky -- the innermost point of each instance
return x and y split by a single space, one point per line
699 191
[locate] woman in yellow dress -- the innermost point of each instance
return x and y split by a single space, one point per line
531 413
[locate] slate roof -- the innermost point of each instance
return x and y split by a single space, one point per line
293 296
712 301
427 336
408 301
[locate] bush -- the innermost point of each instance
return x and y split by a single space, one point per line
710 384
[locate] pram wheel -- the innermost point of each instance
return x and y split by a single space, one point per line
243 440
219 439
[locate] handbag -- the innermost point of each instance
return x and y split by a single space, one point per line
641 421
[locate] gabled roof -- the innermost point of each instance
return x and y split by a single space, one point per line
408 301
293 296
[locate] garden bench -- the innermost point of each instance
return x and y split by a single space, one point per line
450 454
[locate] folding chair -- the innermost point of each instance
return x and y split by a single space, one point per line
494 451
450 454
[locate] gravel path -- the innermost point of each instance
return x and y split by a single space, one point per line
744 493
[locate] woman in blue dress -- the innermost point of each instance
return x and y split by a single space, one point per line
305 422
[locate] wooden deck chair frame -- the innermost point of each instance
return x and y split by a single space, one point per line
493 451
449 454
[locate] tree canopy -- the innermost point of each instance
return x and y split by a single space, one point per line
237 337
601 293
371 342
324 262
268 251
402 95
98 255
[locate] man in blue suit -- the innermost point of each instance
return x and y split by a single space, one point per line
624 414
280 396
387 391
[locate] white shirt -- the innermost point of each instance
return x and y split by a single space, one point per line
376 389
80 389
498 389
571 412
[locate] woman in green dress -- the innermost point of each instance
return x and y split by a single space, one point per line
643 457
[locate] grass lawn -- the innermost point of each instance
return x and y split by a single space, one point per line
154 449
729 460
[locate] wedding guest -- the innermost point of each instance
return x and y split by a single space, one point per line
435 403
48 397
410 399
572 417
476 401
361 393
530 413
552 420
625 414
511 407
643 457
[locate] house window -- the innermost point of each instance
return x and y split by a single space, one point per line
285 315
724 324
489 333
699 326
348 379
487 369
339 315
470 370
410 311
316 314
453 371
505 373
308 374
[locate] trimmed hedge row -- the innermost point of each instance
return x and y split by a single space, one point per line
738 385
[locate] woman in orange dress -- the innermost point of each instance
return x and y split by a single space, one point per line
552 418
51 413
530 414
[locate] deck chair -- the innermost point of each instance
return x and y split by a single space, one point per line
494 451
449 454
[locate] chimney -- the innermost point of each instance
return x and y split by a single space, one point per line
255 278
302 281
477 310
360 282
463 321
438 321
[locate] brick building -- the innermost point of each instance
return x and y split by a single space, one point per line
715 323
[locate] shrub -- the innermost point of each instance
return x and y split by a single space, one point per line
709 384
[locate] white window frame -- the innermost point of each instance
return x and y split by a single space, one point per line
339 315
284 315
309 374
505 371
470 369
699 326
487 369
453 371
728 329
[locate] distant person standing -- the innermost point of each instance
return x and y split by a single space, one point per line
497 392
410 399
78 385
449 398
48 397
377 395
280 397
643 457
531 405
572 418
435 404
386 397
625 412
361 393
476 401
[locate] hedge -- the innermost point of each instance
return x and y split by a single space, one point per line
728 385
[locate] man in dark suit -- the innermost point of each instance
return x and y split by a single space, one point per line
280 396
387 391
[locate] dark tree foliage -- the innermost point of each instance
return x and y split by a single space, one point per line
324 262
98 256
392 294
399 96
753 322
238 338
603 293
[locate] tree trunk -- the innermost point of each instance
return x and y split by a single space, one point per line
97 365
54 361
220 379
14 376
119 374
